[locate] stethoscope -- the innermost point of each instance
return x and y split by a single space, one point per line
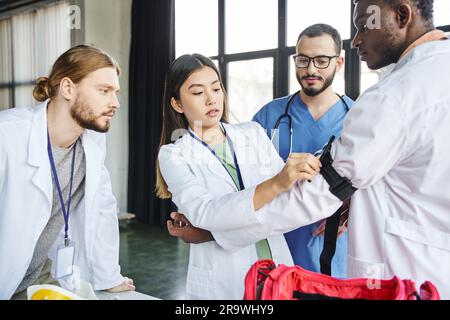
289 117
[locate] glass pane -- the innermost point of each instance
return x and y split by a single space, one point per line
441 12
196 27
250 87
302 14
251 25
5 52
338 83
52 36
371 77
23 41
368 77
5 101
23 96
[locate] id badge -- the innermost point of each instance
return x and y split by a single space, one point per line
64 260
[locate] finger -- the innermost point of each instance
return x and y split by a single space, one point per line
173 231
127 287
306 176
307 162
313 162
177 220
342 230
183 220
306 168
306 157
320 229
170 227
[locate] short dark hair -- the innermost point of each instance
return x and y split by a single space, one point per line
424 6
319 29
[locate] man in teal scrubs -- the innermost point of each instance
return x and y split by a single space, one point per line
316 113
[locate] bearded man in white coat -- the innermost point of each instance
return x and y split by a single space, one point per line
55 191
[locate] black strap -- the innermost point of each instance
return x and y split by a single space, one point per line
329 243
341 187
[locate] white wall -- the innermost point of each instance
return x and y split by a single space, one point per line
107 25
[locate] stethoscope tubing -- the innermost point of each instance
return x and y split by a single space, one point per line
289 117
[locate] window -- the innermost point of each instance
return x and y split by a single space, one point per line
250 85
302 14
5 65
253 40
195 31
30 43
368 77
251 25
441 12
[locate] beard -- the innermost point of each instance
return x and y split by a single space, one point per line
84 115
311 91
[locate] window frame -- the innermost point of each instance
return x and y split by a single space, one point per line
8 9
282 53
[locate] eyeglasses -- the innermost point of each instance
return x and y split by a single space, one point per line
320 62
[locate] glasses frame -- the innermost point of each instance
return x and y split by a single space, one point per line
313 60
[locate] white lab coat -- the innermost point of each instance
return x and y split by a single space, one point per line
206 194
394 148
26 195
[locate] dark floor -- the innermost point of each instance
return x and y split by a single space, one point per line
155 261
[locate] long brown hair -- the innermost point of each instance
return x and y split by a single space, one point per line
178 73
75 64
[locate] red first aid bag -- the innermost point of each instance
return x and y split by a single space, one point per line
266 281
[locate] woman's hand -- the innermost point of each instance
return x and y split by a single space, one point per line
300 166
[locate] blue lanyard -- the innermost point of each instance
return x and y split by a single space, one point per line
236 164
58 187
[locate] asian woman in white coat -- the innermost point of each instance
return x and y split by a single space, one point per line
220 175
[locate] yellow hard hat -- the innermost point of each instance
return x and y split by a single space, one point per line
49 292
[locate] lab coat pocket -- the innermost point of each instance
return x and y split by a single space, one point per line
409 231
199 283
357 268
417 252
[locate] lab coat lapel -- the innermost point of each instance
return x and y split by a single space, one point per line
93 168
38 155
241 142
217 168
204 156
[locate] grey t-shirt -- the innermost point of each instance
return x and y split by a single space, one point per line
63 163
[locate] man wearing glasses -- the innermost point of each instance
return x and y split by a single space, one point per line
314 114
